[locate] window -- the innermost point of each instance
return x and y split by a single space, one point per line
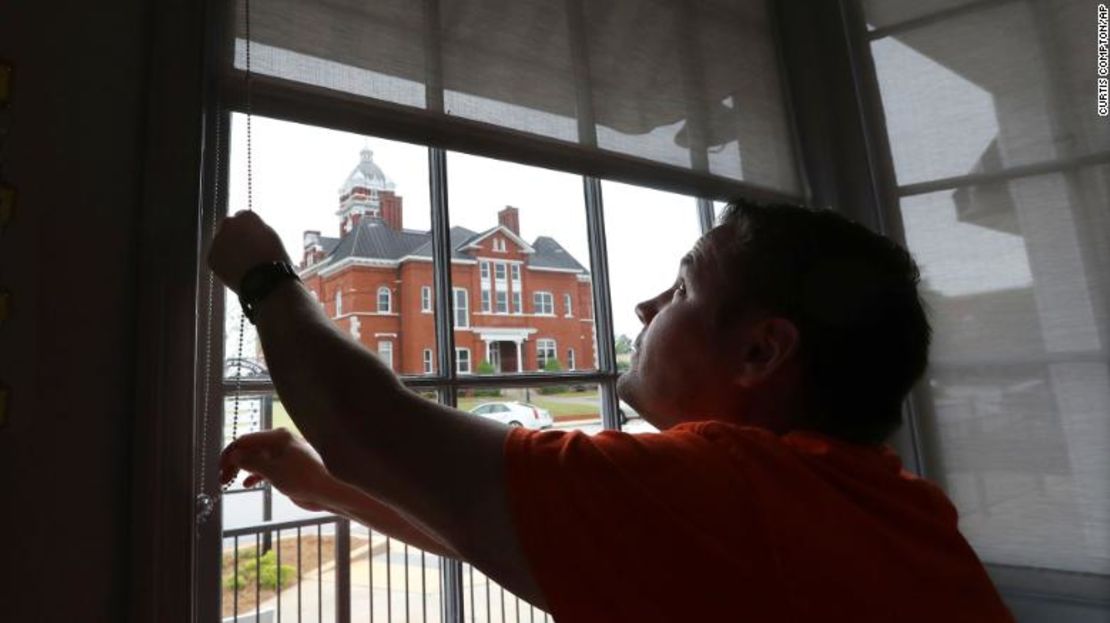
339 302
385 353
546 353
499 245
462 309
542 304
1013 274
552 225
568 310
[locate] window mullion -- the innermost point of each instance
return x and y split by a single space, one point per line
603 306
441 261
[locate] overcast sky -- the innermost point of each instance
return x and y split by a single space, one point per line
298 170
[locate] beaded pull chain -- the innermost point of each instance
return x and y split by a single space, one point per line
205 503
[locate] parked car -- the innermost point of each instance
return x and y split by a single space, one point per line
515 413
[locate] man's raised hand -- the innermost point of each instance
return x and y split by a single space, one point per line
242 242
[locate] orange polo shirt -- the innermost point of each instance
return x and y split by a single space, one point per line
711 521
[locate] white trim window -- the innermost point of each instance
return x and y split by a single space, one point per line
518 306
385 352
502 302
483 267
543 304
499 245
571 363
462 308
514 272
427 357
338 303
485 300
499 271
568 306
546 351
385 300
462 360
426 299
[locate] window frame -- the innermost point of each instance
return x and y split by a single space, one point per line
547 348
460 360
198 41
568 305
463 309
384 290
426 299
538 308
427 357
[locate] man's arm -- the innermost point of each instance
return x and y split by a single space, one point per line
293 467
442 468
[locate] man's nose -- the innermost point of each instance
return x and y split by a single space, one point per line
646 310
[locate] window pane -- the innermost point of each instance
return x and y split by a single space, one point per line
538 218
364 251
1018 417
648 233
981 92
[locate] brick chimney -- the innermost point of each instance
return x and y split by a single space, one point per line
391 207
313 250
510 218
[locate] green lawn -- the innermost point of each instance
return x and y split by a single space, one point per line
559 410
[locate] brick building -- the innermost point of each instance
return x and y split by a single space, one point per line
516 304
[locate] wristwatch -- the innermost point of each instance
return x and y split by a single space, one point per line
260 281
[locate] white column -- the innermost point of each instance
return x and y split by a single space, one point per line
488 358
519 358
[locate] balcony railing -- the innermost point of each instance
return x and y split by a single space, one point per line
313 570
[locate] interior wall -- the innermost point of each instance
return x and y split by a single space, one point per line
68 350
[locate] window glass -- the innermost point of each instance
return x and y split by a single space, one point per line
426 298
462 360
538 217
353 189
462 309
647 233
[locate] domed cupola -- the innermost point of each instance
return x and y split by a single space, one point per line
360 194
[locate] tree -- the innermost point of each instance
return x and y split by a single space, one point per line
624 344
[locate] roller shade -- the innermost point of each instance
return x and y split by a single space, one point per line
693 85
1001 162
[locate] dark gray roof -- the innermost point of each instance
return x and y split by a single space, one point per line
328 244
372 238
551 254
460 237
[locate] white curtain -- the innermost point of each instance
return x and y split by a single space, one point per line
689 84
1016 267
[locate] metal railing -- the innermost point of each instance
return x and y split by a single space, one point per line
397 581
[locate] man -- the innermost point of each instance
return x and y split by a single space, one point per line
776 365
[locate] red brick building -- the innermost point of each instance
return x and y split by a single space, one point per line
516 304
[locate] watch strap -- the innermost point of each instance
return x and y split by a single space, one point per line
260 281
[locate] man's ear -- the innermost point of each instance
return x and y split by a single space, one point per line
768 345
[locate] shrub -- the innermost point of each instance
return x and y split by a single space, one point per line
486 367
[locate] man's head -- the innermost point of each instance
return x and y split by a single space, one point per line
783 317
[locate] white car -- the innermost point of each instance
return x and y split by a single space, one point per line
515 414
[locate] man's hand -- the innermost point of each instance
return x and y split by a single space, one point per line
242 242
283 459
